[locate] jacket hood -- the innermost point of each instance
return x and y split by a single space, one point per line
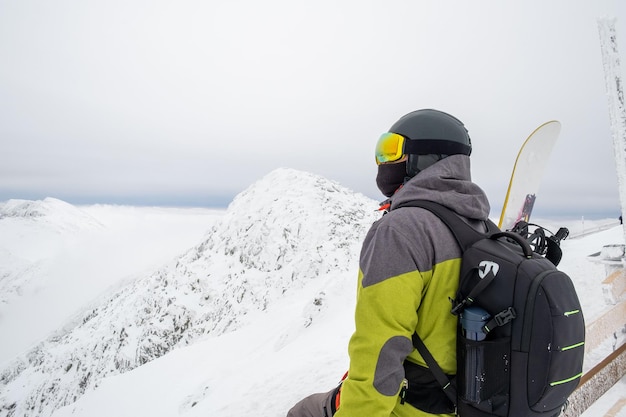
447 182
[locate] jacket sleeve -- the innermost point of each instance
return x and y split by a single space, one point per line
388 295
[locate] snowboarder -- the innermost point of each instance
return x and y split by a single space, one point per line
408 270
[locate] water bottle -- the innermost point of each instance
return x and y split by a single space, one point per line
472 321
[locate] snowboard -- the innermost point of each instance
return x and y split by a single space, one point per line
532 159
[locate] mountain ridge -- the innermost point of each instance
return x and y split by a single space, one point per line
284 231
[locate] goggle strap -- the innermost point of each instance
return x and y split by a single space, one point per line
435 146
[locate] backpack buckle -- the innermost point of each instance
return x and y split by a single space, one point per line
457 306
505 316
500 319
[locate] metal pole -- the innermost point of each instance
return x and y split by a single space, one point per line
617 110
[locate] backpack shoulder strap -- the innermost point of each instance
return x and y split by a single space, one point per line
446 385
464 234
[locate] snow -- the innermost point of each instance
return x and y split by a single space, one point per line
133 311
615 97
55 258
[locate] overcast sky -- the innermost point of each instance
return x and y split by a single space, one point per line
188 102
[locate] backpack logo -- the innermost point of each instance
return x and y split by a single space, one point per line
484 267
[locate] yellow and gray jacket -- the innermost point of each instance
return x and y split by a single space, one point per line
409 272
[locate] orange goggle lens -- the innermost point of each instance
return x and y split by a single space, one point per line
389 148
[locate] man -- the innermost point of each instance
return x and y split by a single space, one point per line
408 273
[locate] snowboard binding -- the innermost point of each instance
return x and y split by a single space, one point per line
541 240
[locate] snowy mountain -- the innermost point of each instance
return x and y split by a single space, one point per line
55 258
26 226
283 233
60 215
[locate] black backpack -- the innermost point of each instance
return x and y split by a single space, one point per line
530 321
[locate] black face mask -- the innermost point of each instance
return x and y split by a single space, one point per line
390 177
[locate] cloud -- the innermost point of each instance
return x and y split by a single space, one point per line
188 98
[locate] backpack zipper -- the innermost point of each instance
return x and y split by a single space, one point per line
529 309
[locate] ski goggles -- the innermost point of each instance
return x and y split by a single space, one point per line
390 148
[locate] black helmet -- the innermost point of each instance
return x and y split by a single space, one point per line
433 135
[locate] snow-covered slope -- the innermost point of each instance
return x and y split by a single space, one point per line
34 230
55 258
288 230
